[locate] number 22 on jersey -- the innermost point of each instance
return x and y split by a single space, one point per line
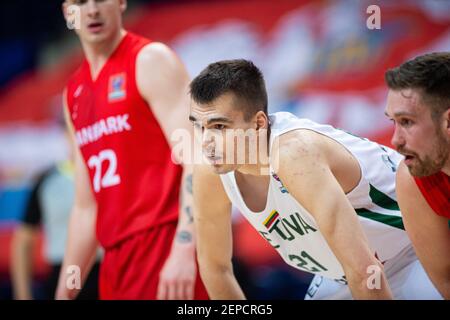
110 178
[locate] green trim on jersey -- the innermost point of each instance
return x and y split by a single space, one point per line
382 200
393 221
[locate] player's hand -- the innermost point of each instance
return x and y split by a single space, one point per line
62 293
177 277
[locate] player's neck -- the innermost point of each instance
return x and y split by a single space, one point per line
258 169
261 168
262 165
97 54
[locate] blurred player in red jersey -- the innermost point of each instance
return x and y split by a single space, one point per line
122 105
419 104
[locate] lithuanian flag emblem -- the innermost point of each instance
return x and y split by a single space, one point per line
271 218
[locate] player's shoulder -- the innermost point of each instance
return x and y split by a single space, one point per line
73 84
155 54
405 183
298 144
413 202
157 68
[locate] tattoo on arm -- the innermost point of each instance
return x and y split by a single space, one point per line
189 183
188 212
184 237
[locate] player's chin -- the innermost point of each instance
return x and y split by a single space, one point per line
221 168
94 37
412 169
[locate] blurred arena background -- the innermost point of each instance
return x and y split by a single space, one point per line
319 59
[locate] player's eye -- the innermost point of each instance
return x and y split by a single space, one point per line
197 125
219 126
405 122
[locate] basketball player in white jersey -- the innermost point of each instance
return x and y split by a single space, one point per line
324 199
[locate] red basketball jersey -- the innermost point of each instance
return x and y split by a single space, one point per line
436 191
135 182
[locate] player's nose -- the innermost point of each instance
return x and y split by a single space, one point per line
92 9
397 138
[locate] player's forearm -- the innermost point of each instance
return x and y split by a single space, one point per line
444 289
361 292
80 252
343 232
184 238
369 285
442 282
220 283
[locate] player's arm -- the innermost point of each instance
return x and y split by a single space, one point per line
81 247
23 245
164 83
305 171
214 235
429 233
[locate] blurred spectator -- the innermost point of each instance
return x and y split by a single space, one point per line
320 60
49 206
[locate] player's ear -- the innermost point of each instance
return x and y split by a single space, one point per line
262 122
64 7
446 117
123 5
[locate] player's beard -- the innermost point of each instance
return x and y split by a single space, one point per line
430 163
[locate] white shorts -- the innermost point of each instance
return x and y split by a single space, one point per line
406 277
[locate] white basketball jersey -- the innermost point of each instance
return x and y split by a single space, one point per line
292 230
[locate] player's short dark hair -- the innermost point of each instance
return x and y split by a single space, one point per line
239 77
430 75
